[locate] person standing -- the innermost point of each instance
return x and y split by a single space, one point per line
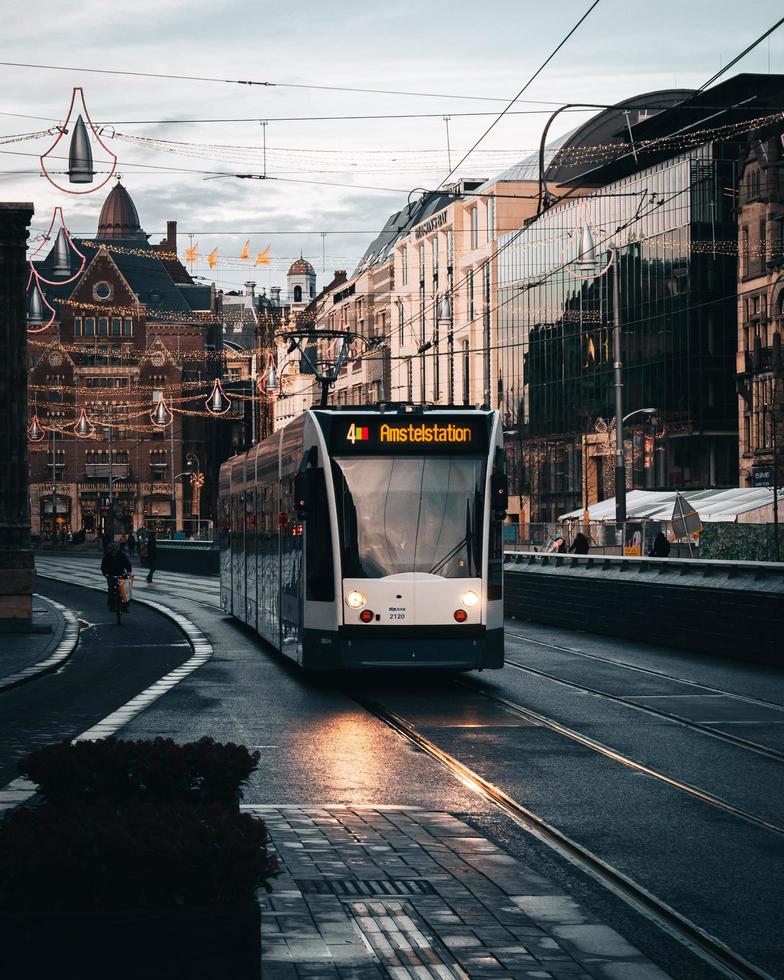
131 544
661 547
152 554
581 545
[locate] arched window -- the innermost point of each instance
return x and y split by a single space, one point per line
298 294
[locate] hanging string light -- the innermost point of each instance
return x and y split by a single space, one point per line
218 403
80 154
35 432
84 428
161 415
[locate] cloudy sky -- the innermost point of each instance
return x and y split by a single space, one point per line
334 171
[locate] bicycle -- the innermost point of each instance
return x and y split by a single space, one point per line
117 599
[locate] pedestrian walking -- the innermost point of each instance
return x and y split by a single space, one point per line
131 544
581 545
661 547
152 554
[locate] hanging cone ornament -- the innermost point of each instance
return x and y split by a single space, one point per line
80 152
218 403
84 427
161 415
64 253
35 432
40 312
80 156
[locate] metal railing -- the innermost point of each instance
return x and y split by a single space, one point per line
188 529
634 538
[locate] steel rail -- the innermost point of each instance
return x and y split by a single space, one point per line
624 760
736 740
697 940
647 670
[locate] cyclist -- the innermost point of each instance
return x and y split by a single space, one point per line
115 565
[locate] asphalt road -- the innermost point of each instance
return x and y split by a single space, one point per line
319 745
111 665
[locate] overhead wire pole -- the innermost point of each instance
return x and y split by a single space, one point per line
448 146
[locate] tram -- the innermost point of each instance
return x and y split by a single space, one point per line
363 537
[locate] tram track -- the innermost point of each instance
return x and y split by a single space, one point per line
696 726
708 947
536 718
646 670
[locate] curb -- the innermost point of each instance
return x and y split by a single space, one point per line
20 790
63 651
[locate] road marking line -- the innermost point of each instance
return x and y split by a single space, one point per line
20 790
62 652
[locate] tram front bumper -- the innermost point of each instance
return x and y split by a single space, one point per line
425 647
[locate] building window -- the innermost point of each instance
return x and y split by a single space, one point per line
410 380
77 326
89 326
298 294
401 322
470 291
450 249
103 326
474 227
435 262
116 326
490 219
128 327
404 265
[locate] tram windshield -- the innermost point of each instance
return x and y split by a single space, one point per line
410 514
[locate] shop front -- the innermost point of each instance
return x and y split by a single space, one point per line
55 515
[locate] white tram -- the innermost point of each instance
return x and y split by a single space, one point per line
370 537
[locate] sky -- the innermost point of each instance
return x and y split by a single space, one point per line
331 182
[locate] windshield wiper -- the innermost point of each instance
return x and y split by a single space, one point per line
465 541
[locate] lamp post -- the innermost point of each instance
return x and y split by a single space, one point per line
197 482
620 464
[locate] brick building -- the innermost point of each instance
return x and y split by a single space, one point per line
131 328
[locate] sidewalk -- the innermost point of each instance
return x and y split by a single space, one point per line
400 892
25 656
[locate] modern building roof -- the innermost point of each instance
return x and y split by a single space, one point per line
399 224
738 99
119 217
658 505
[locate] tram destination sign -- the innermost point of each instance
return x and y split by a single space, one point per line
366 435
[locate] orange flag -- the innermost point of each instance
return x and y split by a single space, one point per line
263 257
212 259
245 253
192 253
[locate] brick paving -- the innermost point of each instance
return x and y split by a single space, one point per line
401 892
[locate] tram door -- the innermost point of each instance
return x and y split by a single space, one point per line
251 532
291 604
238 555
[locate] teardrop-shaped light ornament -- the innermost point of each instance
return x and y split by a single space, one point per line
80 155
84 428
35 432
62 254
81 168
161 415
40 312
218 403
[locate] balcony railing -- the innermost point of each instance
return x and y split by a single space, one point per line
95 471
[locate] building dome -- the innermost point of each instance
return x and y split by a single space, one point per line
119 217
301 268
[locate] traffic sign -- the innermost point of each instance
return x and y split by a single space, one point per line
685 519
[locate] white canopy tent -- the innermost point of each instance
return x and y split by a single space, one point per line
742 504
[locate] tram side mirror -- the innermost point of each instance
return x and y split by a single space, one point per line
499 493
304 492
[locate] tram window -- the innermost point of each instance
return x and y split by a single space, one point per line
410 514
320 584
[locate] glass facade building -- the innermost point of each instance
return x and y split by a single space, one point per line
671 224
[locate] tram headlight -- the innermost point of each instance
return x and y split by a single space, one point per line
355 600
469 598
